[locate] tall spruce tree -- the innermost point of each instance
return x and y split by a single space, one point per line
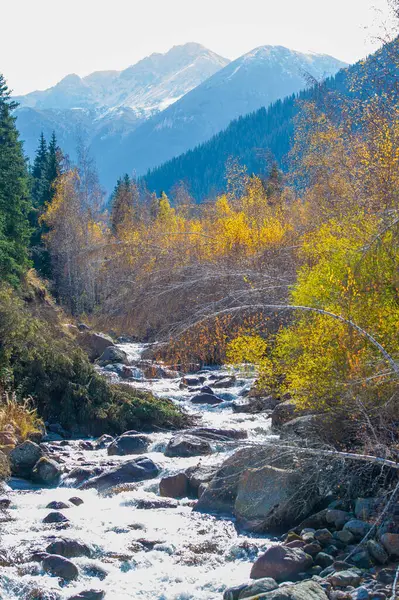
15 201
46 169
123 205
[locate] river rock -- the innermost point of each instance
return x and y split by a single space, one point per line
46 471
193 381
103 442
270 499
306 590
255 405
226 382
206 399
55 517
68 548
281 563
212 433
267 584
377 552
57 505
89 595
76 501
82 474
344 579
305 427
5 503
358 528
174 486
60 567
24 457
94 343
198 478
183 445
8 441
111 355
344 536
338 518
139 469
129 444
390 541
221 493
284 412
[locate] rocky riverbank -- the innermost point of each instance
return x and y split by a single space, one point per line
190 514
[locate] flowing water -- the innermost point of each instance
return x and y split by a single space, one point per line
188 555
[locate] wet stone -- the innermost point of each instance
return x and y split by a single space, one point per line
55 517
76 501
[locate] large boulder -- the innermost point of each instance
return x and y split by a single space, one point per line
390 541
89 595
306 590
284 412
60 567
222 435
55 517
68 548
131 471
270 499
46 471
254 405
94 343
129 444
281 563
111 355
174 486
306 426
221 492
204 398
199 477
23 458
267 584
226 382
187 445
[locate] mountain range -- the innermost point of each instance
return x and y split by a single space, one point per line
266 136
138 118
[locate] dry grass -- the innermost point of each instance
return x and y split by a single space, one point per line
18 417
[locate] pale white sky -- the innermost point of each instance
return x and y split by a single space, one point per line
43 40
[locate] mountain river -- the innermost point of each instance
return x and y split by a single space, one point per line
186 555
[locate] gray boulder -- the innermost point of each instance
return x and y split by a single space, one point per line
76 501
226 382
260 586
358 528
60 567
129 444
281 563
206 399
222 435
390 541
68 548
23 458
187 445
55 517
46 471
89 595
306 590
111 355
221 492
306 426
94 343
131 471
270 499
377 552
103 442
284 412
174 486
344 579
57 505
199 477
255 405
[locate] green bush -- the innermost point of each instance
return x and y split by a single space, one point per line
39 359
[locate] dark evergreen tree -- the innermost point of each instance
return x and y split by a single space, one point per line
123 205
39 175
15 201
46 168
